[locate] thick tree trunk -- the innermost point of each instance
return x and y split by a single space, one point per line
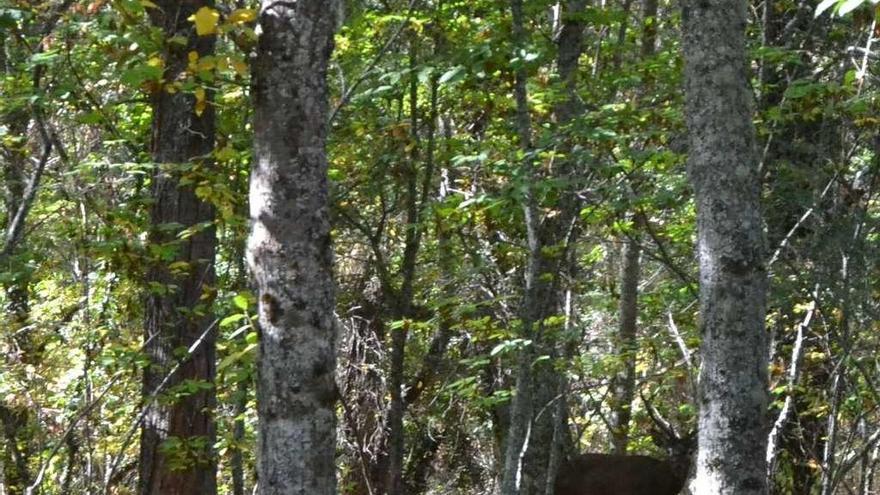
724 172
289 250
177 437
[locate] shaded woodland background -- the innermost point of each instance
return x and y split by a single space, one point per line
431 237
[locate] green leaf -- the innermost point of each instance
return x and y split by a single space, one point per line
44 58
452 76
140 74
90 118
232 319
825 5
234 358
848 6
241 301
9 17
6 21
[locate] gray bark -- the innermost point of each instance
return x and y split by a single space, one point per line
412 243
178 314
869 470
625 381
529 456
829 464
289 250
723 170
523 404
788 405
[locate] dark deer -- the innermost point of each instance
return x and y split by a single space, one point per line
610 474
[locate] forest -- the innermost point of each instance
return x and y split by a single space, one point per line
406 247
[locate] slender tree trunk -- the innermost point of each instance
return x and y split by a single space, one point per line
426 447
177 437
523 403
15 418
412 243
723 169
17 474
529 456
829 465
869 470
289 250
237 460
625 382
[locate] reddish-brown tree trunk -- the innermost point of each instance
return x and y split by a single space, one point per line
176 455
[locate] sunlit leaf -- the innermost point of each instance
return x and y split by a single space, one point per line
201 103
242 16
825 5
206 20
848 6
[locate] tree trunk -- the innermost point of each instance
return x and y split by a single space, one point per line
829 453
177 437
15 418
412 244
238 432
724 173
16 457
528 456
289 250
869 470
625 381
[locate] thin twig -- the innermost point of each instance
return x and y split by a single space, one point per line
13 232
149 400
798 224
80 415
797 353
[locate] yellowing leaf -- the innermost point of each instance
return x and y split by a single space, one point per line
226 153
206 20
206 64
193 56
201 102
240 66
179 266
241 16
148 4
156 62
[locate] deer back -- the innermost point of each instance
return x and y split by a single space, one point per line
606 474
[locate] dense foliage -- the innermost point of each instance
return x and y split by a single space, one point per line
432 188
